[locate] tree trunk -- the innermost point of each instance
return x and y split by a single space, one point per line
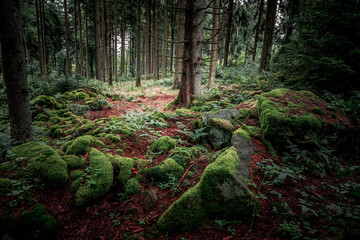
293 10
221 36
42 16
81 66
213 51
164 43
171 57
192 58
153 40
123 41
138 44
109 61
98 62
257 29
14 71
268 35
147 40
103 41
77 68
156 41
68 64
115 40
228 33
87 46
179 45
39 36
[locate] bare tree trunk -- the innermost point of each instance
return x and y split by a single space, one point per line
153 40
236 42
172 24
81 66
14 70
87 46
268 35
221 36
258 23
179 45
39 36
293 11
123 42
138 43
103 41
68 64
213 50
42 16
109 63
143 54
77 68
228 33
98 64
192 59
147 40
115 40
164 43
156 41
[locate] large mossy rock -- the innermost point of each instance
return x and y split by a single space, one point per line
219 126
163 144
221 192
294 115
46 101
43 161
81 145
99 178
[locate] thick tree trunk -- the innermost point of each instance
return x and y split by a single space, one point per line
81 66
179 45
257 28
123 41
213 50
138 43
68 64
115 40
98 64
268 35
14 71
87 46
147 40
109 63
192 58
164 43
103 42
156 41
228 33
77 68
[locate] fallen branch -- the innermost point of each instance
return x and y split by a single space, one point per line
187 170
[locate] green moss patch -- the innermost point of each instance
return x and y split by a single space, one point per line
74 161
46 101
44 162
162 144
99 178
132 187
125 166
79 146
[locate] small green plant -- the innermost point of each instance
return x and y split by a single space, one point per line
290 229
78 109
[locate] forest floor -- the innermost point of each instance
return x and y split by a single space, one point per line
115 216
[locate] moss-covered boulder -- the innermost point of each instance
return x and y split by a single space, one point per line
99 178
125 166
221 192
46 101
73 161
76 174
81 145
132 187
43 161
163 144
6 185
289 115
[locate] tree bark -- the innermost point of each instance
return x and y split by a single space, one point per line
68 64
147 40
14 71
77 68
179 45
87 47
156 41
39 36
228 33
213 50
138 44
115 40
192 58
42 16
81 66
98 62
103 41
257 29
268 35
164 43
109 55
123 41
293 11
172 26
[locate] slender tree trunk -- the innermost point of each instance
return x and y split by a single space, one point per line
103 42
192 58
213 51
98 62
77 68
109 63
143 54
171 58
115 40
42 16
147 40
68 64
81 66
123 41
228 33
87 46
164 43
39 36
179 45
14 70
268 35
153 40
156 41
236 42
221 36
257 29
292 12
138 44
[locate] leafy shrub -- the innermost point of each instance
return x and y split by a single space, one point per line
78 110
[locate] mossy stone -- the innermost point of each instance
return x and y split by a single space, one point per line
43 161
73 161
46 101
6 185
132 187
125 166
76 174
166 167
113 138
80 146
163 144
